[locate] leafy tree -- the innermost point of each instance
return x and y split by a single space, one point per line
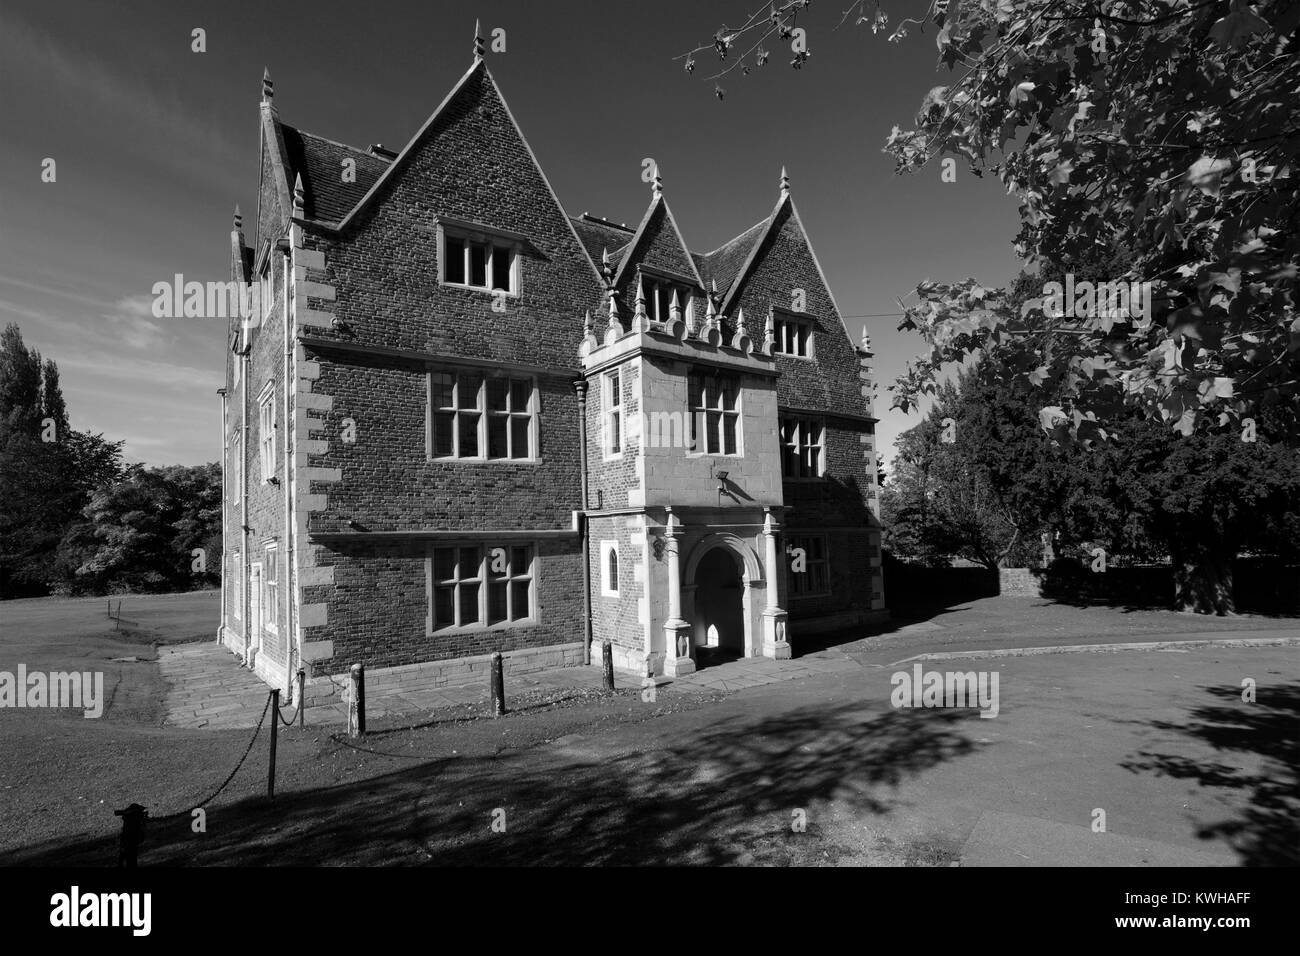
1168 128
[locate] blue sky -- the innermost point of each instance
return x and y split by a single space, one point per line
155 144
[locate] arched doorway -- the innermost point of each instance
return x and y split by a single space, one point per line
719 607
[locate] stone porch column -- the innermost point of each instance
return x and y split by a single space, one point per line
677 633
775 644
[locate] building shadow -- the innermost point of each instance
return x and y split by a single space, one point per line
1260 747
731 793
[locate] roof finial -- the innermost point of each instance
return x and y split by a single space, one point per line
606 269
785 183
478 41
586 325
299 196
769 331
640 312
239 219
268 88
675 308
657 184
866 339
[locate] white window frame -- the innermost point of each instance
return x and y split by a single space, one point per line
608 587
477 405
801 540
271 588
800 426
791 332
484 577
659 297
266 429
470 236
612 418
699 413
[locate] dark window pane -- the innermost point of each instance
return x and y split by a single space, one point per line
519 438
615 390
497 391
444 563
501 268
469 603
519 560
443 423
496 602
519 597
454 271
729 391
521 390
468 436
444 610
467 387
478 264
714 420
729 434
442 394
615 439
497 436
613 569
469 562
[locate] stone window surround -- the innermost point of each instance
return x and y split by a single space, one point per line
608 588
786 317
480 408
485 549
478 232
800 422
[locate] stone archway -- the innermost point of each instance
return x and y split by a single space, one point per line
721 603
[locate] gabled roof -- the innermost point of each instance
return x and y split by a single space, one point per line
643 234
723 265
598 235
319 161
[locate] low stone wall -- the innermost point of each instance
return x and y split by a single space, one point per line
329 689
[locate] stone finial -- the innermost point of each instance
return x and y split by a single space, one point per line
785 183
866 340
239 219
657 184
640 312
769 331
606 269
587 328
675 308
299 197
478 41
268 88
613 308
711 314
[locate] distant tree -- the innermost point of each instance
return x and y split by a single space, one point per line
138 533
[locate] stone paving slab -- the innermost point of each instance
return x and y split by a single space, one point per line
210 690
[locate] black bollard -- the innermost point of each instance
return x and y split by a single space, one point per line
607 664
128 842
302 699
498 685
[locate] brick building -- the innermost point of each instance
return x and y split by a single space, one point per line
462 421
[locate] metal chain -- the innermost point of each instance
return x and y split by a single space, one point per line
247 750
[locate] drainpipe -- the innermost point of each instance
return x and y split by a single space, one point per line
221 630
580 386
244 349
285 246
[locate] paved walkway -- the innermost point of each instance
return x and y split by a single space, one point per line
210 690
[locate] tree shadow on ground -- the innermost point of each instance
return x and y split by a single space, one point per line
1265 733
721 795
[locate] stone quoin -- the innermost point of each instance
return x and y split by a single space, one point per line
442 356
